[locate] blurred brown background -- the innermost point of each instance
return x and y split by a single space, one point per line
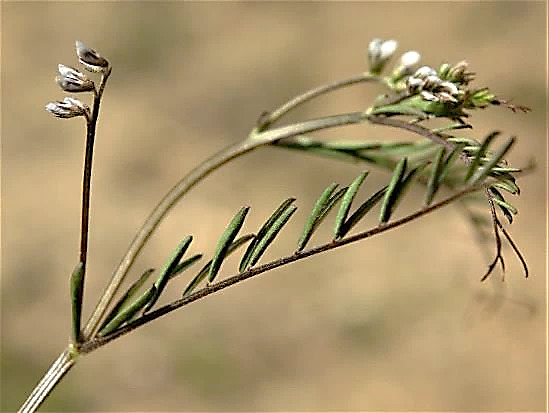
399 322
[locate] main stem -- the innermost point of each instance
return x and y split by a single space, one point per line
58 369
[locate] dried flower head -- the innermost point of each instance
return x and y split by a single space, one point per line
68 108
90 59
71 80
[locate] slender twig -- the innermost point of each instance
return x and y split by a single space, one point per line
498 256
254 141
210 289
515 249
55 373
276 114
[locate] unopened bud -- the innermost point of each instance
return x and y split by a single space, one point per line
431 82
71 80
429 96
445 97
379 52
448 87
68 108
424 71
90 59
413 84
407 64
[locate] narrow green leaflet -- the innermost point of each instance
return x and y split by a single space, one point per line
167 269
508 186
434 178
361 211
452 157
346 203
225 241
310 224
479 155
271 233
128 312
77 291
245 261
507 209
204 271
392 191
128 296
486 169
184 265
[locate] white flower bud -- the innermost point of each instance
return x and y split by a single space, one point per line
446 97
431 82
413 84
90 59
425 71
379 52
429 96
71 80
387 49
68 108
410 59
448 87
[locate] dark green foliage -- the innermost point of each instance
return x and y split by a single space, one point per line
225 242
259 243
322 207
128 296
270 234
346 203
361 211
127 313
486 169
77 291
393 191
435 177
167 269
205 270
480 152
246 258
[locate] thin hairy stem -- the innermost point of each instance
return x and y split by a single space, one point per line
278 113
208 290
254 141
55 373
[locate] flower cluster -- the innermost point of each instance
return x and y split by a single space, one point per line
72 80
428 83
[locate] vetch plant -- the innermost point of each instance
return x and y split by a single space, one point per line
465 168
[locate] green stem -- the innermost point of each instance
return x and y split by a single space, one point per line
53 376
313 93
254 141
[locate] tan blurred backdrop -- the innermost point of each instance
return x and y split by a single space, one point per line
399 322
